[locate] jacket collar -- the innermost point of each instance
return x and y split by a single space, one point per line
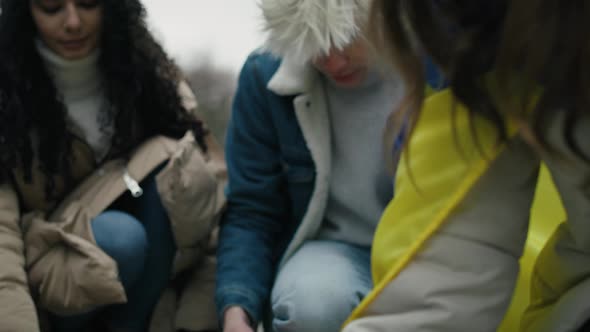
292 78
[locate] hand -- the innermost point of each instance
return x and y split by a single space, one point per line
235 319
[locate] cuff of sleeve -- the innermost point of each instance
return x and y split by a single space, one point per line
239 297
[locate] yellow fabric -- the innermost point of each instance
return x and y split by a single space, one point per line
546 214
426 194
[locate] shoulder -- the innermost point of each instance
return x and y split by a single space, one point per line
260 65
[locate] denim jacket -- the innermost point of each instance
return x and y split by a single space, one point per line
278 157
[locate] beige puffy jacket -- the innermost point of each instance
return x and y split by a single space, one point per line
68 273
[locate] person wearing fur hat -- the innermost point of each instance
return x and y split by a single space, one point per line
307 181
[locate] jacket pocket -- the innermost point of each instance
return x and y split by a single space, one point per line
70 274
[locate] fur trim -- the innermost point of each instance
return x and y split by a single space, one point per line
304 29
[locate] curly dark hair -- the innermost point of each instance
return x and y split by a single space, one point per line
140 82
534 50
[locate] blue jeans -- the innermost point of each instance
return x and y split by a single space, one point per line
319 286
140 240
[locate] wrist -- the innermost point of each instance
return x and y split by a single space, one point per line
236 314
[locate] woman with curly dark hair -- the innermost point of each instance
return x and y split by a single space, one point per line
106 172
446 255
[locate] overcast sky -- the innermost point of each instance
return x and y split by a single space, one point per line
227 30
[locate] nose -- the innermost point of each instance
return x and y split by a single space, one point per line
333 62
73 23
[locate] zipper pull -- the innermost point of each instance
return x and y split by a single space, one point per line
132 185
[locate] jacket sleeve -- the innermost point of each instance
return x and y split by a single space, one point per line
560 283
191 188
17 310
256 202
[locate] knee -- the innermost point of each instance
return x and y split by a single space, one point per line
311 304
121 236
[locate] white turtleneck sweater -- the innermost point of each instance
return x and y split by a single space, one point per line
79 83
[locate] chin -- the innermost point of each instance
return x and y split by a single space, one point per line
349 83
74 55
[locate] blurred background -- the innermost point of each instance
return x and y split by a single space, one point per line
210 40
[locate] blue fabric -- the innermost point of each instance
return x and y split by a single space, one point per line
434 75
319 286
146 291
271 179
142 244
122 237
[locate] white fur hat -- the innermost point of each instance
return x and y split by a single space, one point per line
302 29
